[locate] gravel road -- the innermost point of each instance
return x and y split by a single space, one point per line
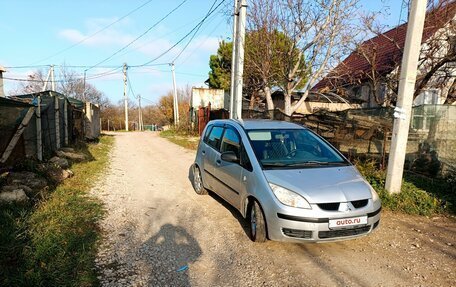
158 232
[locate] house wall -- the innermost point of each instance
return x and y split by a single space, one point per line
201 97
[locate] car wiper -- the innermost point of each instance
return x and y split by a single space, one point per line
274 164
316 162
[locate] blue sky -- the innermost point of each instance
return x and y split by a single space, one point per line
37 32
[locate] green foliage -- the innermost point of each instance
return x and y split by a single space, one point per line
53 242
411 200
268 61
220 65
63 235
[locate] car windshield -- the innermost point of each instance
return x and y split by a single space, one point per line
292 148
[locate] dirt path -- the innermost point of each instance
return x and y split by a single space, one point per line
158 232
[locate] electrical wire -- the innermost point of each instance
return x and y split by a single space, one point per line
182 39
97 32
140 36
202 43
194 34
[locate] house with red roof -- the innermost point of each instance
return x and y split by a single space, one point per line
370 75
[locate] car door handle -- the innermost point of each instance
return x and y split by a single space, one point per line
203 152
218 162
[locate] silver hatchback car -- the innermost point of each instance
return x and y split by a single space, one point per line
291 184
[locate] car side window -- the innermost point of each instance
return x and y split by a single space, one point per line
214 137
244 159
206 135
231 142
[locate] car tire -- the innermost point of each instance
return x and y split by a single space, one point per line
198 185
257 223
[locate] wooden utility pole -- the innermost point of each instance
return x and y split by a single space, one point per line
56 110
403 108
125 67
65 119
175 100
240 14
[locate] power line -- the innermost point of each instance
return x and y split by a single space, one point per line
182 39
140 36
196 48
77 78
97 32
196 31
159 38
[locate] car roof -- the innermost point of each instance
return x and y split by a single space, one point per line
259 124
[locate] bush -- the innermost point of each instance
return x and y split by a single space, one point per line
411 200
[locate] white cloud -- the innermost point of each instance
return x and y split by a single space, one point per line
109 36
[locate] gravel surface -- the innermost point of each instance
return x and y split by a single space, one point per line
158 232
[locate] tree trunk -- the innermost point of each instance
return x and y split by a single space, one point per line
287 100
252 100
269 102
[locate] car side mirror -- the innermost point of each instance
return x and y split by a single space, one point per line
229 156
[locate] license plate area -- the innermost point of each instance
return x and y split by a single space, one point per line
348 222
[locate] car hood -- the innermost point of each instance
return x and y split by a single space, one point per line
322 185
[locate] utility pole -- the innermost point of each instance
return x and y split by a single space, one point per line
84 85
52 78
405 96
233 61
240 14
39 141
175 100
140 123
125 67
56 110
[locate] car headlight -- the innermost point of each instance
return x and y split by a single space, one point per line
289 197
374 195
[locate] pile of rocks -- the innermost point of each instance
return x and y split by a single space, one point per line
23 185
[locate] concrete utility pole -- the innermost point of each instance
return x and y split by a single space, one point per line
240 13
84 85
175 100
140 123
233 61
125 67
405 97
2 92
52 78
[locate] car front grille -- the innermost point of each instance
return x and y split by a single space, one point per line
297 233
343 232
360 203
334 206
329 206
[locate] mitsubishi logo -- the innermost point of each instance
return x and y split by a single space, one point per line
346 206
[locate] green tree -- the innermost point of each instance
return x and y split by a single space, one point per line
267 60
220 64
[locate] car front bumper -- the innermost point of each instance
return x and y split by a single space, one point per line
293 228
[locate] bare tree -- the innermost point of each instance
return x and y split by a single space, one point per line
69 83
321 31
378 59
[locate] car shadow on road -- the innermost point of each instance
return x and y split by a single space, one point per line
169 253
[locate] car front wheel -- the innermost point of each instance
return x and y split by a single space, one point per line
198 181
257 223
